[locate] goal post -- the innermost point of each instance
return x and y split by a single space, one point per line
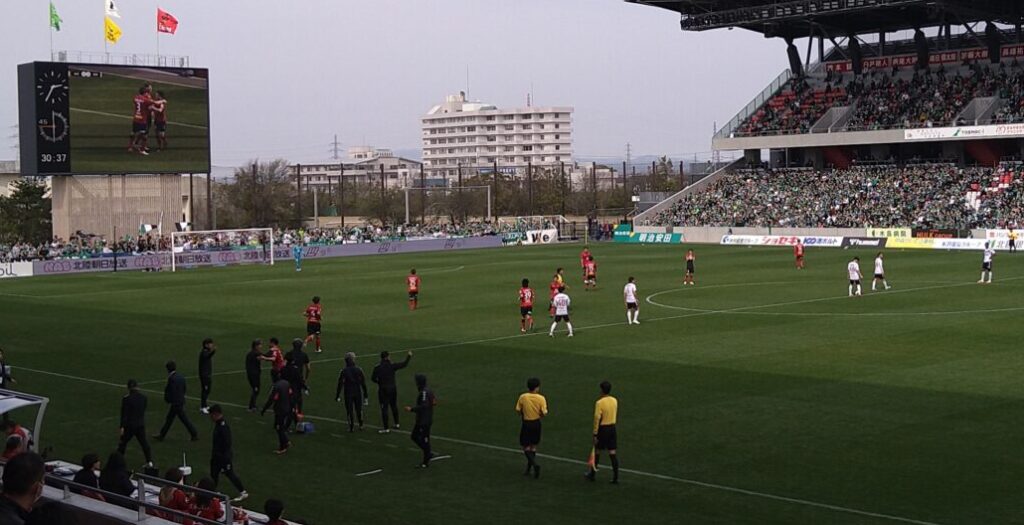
224 247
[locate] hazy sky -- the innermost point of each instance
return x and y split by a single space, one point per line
287 76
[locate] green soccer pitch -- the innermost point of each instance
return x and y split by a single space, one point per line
761 395
101 122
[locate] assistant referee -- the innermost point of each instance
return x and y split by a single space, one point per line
532 407
606 414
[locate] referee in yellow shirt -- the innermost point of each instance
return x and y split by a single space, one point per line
531 406
606 413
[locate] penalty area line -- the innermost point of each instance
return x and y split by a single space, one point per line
497 448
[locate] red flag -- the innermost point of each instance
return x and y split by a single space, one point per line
165 22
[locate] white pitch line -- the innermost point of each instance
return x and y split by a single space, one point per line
652 475
650 298
115 115
370 473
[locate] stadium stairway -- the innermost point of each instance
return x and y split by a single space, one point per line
641 218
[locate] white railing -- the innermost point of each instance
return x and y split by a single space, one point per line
120 59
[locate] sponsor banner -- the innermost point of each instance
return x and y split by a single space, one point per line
650 238
1002 235
911 242
936 233
623 231
976 54
864 242
890 233
194 259
781 240
15 269
541 236
962 132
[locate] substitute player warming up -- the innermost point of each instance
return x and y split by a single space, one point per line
798 252
314 315
606 413
561 305
531 407
526 307
853 268
879 273
413 283
632 305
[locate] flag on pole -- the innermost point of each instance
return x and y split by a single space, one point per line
165 22
112 9
592 460
111 31
55 19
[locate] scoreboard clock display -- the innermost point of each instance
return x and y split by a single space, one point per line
44 100
107 119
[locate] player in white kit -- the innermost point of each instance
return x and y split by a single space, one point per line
853 268
632 305
986 264
561 303
879 273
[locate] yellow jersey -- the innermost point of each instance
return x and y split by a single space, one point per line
606 412
532 406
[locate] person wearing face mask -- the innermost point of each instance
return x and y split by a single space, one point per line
23 485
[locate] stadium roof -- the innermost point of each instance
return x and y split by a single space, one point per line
795 18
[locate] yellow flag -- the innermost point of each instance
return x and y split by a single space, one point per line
111 31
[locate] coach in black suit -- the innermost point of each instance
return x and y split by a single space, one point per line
174 395
133 421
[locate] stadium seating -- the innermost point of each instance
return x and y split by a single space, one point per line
894 99
926 196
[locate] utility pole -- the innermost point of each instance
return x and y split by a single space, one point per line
625 195
629 153
561 173
298 192
529 184
423 196
341 198
593 180
459 196
383 207
497 184
256 215
209 200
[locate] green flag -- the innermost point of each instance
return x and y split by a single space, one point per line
55 19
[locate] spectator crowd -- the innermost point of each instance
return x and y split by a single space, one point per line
926 196
887 99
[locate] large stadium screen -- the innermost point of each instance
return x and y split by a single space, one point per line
80 119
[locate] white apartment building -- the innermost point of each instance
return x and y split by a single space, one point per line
475 136
362 165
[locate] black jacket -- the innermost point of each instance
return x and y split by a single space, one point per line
86 477
133 410
384 373
206 363
11 513
424 408
222 452
174 392
280 398
118 482
253 365
352 381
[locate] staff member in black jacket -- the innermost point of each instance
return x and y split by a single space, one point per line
296 371
352 382
424 410
223 453
174 396
281 399
133 421
387 390
253 370
206 373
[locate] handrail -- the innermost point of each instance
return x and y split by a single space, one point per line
139 502
763 97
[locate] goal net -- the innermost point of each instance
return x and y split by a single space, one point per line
536 229
222 247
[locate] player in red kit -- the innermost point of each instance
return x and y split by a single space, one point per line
556 282
276 358
160 119
584 256
590 271
798 251
142 108
526 295
413 283
314 314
